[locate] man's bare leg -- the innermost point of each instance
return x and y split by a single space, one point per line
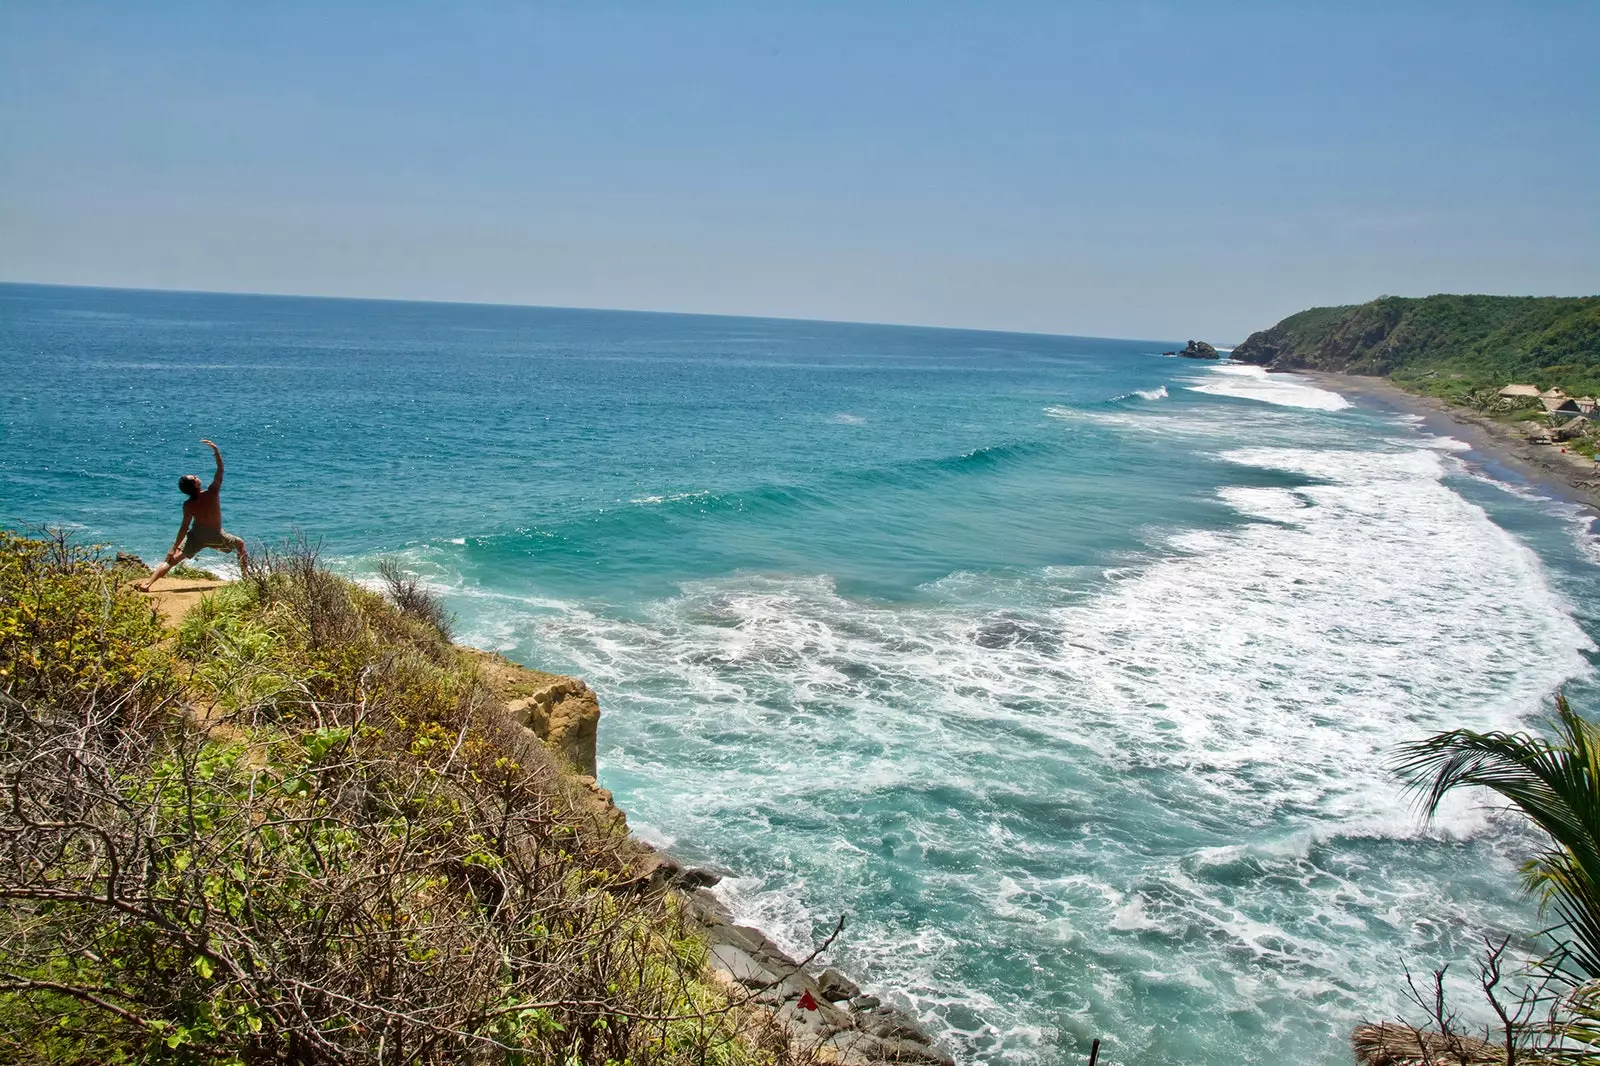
174 557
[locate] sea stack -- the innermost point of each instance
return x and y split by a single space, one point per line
1196 350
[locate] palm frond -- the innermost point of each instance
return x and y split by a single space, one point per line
1554 783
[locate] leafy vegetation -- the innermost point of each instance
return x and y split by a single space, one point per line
301 830
1445 345
1554 782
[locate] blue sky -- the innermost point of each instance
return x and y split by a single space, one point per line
1126 169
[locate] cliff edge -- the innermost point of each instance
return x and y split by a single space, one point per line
824 1016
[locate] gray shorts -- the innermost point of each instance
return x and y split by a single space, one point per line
209 537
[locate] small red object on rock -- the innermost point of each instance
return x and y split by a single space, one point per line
806 1002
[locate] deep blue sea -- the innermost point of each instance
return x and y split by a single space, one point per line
1066 669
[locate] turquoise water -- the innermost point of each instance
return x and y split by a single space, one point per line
1065 669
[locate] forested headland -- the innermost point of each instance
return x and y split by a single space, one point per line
1447 346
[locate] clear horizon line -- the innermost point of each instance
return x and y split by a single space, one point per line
582 307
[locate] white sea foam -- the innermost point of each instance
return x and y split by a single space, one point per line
224 566
1169 775
669 497
1157 393
1245 684
1284 390
1586 535
1441 444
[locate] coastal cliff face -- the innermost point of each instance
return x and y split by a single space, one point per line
1482 338
561 711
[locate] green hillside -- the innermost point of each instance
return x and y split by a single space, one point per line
1446 345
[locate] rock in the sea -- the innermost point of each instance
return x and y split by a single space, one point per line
132 562
836 986
887 1023
1196 350
694 877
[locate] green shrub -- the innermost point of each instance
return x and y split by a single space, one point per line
70 625
342 850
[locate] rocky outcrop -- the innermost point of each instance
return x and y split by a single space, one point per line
561 711
130 562
1196 350
826 1013
565 715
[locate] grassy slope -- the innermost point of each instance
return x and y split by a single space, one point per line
301 829
1444 345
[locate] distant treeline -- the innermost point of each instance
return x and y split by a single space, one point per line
1444 344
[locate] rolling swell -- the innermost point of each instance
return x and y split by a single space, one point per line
654 515
1164 789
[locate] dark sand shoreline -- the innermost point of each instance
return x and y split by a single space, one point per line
1497 447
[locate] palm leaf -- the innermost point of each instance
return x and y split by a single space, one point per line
1555 784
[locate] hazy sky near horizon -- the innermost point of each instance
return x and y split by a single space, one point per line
1157 170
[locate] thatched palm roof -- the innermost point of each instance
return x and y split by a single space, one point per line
1520 390
1393 1044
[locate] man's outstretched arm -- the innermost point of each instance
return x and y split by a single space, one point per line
218 453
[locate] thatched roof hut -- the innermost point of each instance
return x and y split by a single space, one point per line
1558 404
1393 1044
1512 392
1573 428
1554 392
1587 404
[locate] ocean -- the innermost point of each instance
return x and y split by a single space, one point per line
1066 670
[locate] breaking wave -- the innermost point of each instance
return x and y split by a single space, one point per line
1254 383
1061 764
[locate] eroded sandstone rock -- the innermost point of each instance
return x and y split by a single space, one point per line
565 715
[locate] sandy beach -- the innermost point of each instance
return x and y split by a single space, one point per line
1566 475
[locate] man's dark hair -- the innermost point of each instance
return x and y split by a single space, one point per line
189 485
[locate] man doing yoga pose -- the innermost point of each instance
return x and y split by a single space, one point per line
202 522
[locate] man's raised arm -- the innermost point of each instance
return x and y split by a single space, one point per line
218 453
